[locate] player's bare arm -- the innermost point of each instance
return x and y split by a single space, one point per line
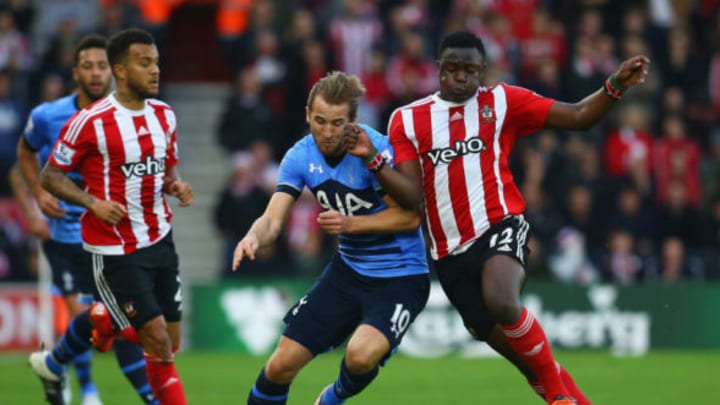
174 186
37 225
392 219
29 166
265 230
58 184
408 193
588 111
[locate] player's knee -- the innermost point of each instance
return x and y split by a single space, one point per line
504 309
155 340
280 370
360 361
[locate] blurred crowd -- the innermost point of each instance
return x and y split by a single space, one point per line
635 199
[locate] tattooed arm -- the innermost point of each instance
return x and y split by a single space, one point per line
57 183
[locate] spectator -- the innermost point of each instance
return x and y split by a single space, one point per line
570 262
12 116
677 157
247 116
14 46
673 265
353 34
411 60
240 202
624 265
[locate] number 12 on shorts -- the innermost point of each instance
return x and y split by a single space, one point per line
506 238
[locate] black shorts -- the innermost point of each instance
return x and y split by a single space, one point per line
461 275
341 300
139 286
71 268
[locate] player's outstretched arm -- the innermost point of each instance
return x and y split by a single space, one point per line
265 230
588 111
358 143
58 184
390 220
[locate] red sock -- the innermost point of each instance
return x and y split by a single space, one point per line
569 383
574 390
527 338
130 334
164 380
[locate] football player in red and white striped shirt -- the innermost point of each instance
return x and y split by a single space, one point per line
455 145
124 145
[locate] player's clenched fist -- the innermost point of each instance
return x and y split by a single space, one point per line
633 71
49 205
109 211
357 141
332 222
182 191
246 247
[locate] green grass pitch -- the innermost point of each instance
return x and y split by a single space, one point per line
663 377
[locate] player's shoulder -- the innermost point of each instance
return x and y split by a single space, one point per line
512 90
48 109
102 106
158 104
101 109
304 146
413 105
372 132
298 150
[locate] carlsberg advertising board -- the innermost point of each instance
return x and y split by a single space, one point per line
247 317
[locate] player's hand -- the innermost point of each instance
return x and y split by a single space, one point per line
357 141
332 222
182 191
38 227
109 211
49 205
246 247
633 71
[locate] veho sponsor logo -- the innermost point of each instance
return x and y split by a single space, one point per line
149 167
459 148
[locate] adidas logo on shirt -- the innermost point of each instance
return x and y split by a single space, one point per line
456 116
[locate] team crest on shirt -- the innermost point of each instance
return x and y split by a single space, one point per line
129 309
487 115
63 154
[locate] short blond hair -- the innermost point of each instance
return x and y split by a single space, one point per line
337 88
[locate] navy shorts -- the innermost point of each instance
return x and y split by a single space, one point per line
71 268
342 299
461 275
140 286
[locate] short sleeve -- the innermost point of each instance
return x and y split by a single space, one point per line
403 148
290 179
173 156
75 140
35 130
527 108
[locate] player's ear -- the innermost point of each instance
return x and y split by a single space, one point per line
307 114
119 71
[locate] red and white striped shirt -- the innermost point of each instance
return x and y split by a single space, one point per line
463 149
122 154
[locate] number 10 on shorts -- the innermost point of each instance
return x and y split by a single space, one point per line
399 320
